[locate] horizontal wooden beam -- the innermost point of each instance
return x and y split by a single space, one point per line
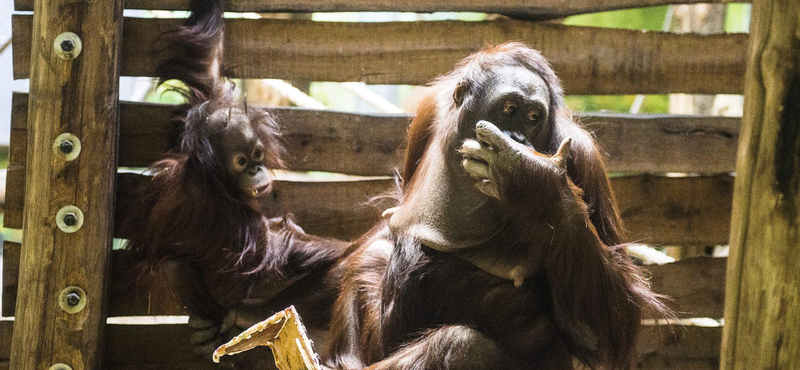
370 145
373 145
696 287
166 347
588 60
514 8
676 210
656 210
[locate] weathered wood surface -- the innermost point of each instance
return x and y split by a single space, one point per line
78 96
373 145
167 348
677 210
656 210
588 60
357 144
514 8
696 287
763 279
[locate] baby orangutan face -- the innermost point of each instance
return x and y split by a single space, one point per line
246 146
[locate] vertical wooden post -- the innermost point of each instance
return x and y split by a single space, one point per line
762 308
60 312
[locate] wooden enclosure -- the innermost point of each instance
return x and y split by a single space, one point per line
691 210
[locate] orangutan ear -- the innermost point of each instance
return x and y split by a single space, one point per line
563 153
460 92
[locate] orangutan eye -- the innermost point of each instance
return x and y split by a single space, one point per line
239 162
257 154
533 116
509 108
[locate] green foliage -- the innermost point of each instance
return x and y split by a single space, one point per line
651 18
166 93
617 103
737 18
3 156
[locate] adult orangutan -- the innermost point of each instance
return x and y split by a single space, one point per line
498 256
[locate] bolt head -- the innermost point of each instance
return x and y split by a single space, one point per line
67 45
70 219
73 299
66 147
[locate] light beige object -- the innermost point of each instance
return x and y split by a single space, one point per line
284 334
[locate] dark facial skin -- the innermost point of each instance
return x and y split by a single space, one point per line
514 99
455 215
243 152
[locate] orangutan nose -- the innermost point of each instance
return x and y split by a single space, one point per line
253 171
516 136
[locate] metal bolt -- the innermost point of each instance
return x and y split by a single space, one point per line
67 45
73 299
66 147
70 219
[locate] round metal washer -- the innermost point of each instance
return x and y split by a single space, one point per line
67 45
73 215
67 138
66 299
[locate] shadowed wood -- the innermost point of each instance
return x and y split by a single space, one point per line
655 209
665 143
78 96
696 282
166 347
763 281
675 210
696 287
373 145
588 60
514 8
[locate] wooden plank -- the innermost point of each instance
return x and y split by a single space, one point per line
10 268
329 141
763 284
514 8
167 347
675 211
656 210
696 287
77 94
679 348
665 143
588 60
373 145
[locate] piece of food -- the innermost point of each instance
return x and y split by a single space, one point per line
284 334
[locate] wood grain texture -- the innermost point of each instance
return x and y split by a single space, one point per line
763 280
588 60
665 143
10 268
696 287
168 348
78 96
676 210
514 8
374 145
656 210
